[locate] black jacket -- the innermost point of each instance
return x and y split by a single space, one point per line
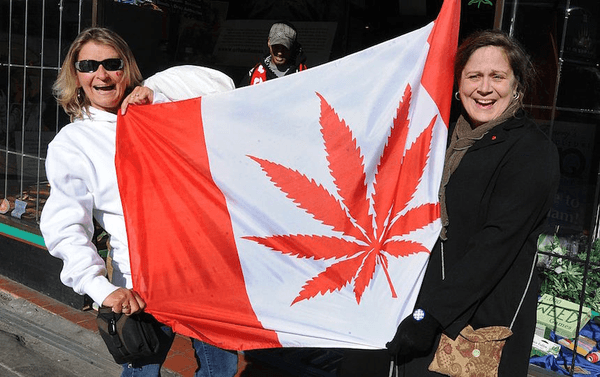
497 200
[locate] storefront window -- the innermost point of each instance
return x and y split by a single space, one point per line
562 37
33 37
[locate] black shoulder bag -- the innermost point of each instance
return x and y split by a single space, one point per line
129 338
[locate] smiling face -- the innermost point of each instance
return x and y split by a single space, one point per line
105 89
279 54
487 84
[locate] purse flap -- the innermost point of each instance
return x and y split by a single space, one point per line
486 334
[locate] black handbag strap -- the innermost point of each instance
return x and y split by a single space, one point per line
524 292
526 289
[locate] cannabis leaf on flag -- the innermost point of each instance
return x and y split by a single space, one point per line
373 236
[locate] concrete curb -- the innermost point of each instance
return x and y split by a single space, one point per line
69 347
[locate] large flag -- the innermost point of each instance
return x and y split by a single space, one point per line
299 212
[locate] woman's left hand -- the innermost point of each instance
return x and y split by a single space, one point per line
414 336
140 95
126 301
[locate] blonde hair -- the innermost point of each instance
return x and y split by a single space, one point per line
68 95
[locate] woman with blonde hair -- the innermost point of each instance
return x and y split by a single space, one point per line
100 77
69 94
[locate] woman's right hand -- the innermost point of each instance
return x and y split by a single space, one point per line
140 95
125 301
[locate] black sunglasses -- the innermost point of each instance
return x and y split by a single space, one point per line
89 66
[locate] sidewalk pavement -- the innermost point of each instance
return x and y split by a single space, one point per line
40 336
51 328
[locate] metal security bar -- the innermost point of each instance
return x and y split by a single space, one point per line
33 40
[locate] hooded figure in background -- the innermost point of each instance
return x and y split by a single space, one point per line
285 55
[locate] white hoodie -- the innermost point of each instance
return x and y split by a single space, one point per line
83 185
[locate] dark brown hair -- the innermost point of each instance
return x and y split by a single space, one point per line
517 57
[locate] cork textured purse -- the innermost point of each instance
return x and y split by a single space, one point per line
472 353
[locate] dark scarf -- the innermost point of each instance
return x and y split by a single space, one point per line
463 137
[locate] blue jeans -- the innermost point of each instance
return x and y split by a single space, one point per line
212 361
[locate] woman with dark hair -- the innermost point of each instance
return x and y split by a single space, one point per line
98 78
500 176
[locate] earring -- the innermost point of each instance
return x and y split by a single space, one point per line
456 96
80 95
516 95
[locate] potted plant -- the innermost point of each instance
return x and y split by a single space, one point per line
561 265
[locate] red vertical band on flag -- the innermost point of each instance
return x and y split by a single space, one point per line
187 265
438 73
